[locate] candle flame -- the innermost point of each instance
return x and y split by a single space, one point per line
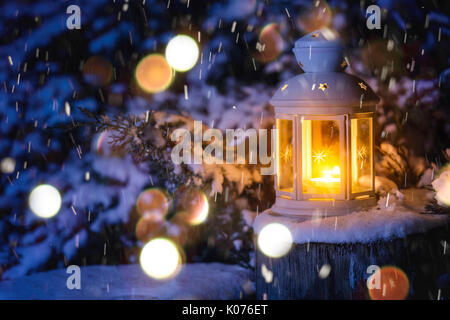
333 175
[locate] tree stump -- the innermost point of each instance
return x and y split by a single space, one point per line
423 257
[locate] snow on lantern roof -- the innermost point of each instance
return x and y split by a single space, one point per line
320 55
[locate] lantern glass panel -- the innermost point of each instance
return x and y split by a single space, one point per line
321 157
285 159
362 158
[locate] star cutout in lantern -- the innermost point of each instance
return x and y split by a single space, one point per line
314 35
323 86
362 152
344 64
363 86
319 156
287 154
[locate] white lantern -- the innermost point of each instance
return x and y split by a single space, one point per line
324 141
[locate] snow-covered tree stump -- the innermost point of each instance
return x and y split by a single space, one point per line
329 258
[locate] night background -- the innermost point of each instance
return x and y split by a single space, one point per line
90 111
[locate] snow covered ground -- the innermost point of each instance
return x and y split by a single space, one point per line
195 281
393 217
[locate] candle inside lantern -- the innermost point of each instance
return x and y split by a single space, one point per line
321 157
328 182
324 138
329 176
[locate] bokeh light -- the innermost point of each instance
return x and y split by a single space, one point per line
101 145
381 61
45 201
193 206
271 43
148 227
316 17
7 165
160 258
393 284
442 186
275 240
324 271
97 71
153 74
153 202
182 53
104 147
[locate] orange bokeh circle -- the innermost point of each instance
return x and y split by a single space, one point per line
152 202
393 284
153 74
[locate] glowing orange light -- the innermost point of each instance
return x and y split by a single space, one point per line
153 74
193 206
319 156
148 227
316 17
270 43
393 284
152 202
329 176
97 71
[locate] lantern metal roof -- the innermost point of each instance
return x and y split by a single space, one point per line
323 85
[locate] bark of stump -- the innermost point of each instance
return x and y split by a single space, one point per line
295 276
